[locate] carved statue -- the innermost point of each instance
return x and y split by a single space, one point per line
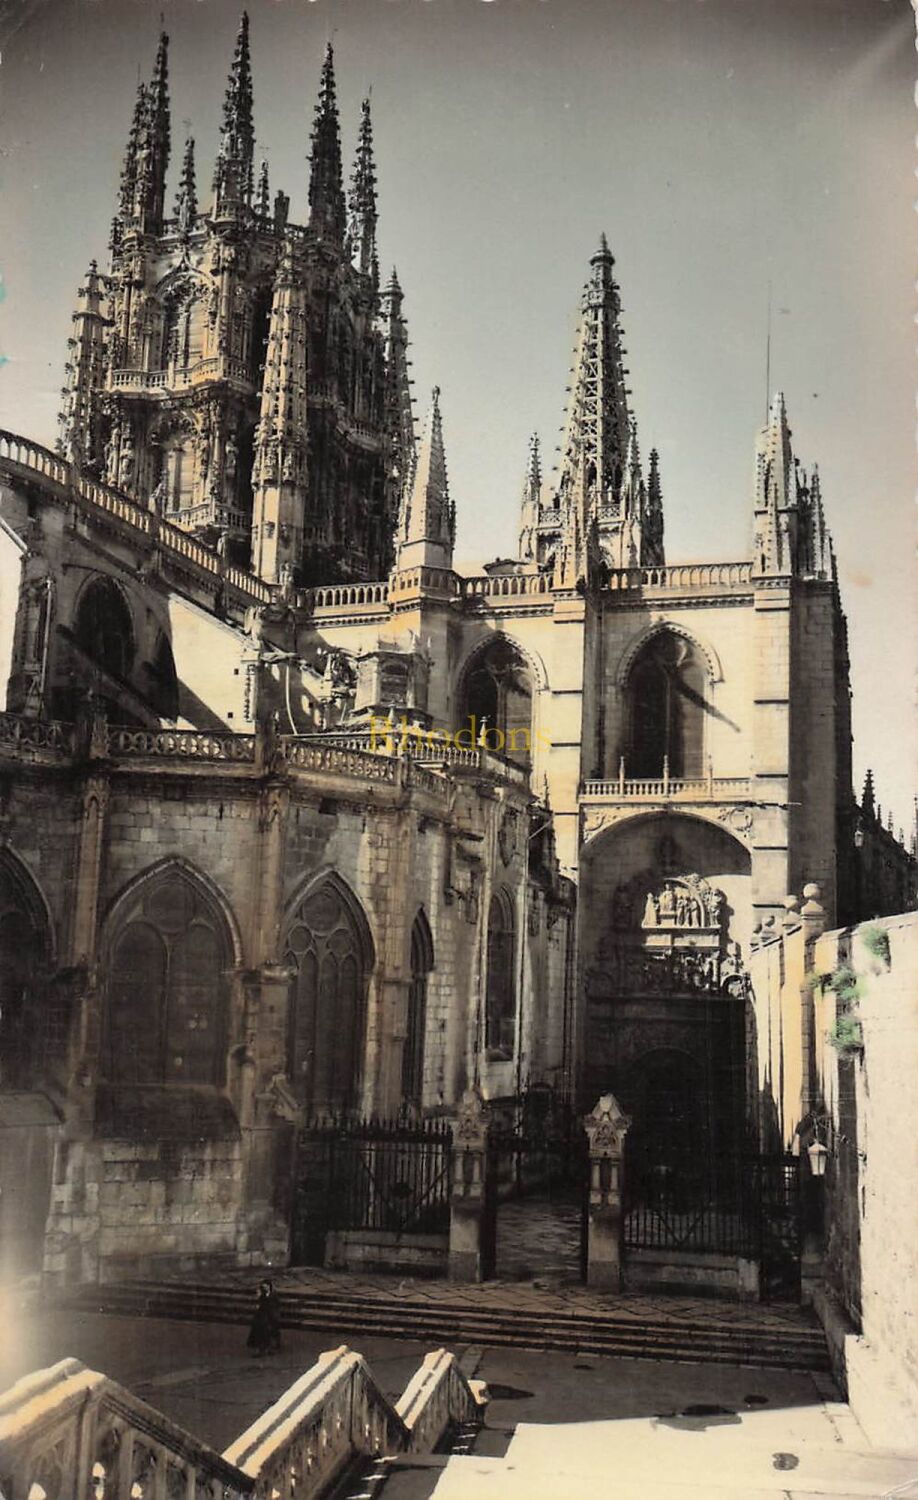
651 911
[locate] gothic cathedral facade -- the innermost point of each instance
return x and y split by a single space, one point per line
298 819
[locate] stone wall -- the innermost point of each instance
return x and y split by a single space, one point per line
857 1100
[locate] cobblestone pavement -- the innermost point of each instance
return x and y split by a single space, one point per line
538 1240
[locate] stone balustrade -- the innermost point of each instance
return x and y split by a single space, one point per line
92 495
688 789
70 1433
25 736
184 744
343 596
505 586
682 577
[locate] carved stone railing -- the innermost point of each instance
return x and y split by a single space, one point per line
344 596
69 1433
93 495
684 577
437 1398
22 735
682 788
181 744
505 586
390 739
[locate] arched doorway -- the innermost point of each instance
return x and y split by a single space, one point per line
330 951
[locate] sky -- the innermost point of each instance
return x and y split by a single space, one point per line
724 147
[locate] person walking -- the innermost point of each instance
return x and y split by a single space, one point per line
264 1334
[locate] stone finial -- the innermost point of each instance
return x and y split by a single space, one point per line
472 1120
606 1127
813 912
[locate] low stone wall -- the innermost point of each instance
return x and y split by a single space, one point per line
383 1250
694 1272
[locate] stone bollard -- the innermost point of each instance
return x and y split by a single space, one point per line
469 1229
606 1129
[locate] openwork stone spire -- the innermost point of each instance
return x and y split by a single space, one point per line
428 520
146 162
234 173
263 195
652 535
595 518
326 195
362 216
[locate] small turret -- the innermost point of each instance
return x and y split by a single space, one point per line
279 472
186 199
428 521
79 418
399 408
530 505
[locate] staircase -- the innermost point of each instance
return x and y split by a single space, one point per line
647 1329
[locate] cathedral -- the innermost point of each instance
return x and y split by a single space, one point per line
300 821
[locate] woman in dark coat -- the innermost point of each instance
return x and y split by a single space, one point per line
264 1334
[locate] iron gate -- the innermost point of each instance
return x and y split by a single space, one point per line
391 1175
742 1204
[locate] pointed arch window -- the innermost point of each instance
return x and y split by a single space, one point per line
500 1000
422 961
166 986
497 694
329 951
666 708
103 627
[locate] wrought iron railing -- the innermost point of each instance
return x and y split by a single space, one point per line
731 1204
383 1175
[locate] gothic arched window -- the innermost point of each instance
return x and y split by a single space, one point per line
24 955
166 986
497 694
422 961
330 950
500 1002
103 627
666 706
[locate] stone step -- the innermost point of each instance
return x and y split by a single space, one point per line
797 1348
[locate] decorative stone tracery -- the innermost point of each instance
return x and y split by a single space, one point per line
666 935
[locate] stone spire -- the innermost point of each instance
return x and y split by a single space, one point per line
326 195
598 501
791 536
186 199
774 499
427 522
868 799
531 502
79 417
234 172
146 162
279 471
652 554
362 215
399 408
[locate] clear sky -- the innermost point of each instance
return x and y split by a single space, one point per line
721 145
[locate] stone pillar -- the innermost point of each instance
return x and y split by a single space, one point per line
470 1229
606 1129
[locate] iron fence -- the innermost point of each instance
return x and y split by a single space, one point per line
374 1174
733 1205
